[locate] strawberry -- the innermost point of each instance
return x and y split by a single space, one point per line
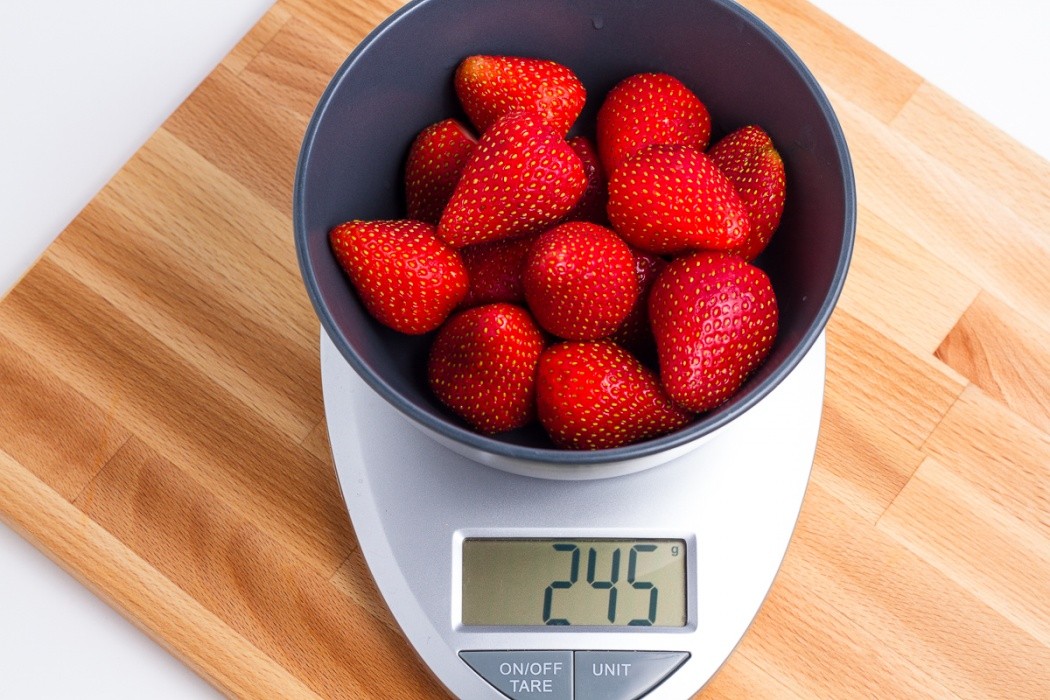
522 178
405 276
714 317
748 159
634 333
670 199
482 365
435 161
490 87
594 395
591 206
647 109
579 281
495 270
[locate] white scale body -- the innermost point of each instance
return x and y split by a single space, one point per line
734 501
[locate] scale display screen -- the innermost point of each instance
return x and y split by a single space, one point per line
567 581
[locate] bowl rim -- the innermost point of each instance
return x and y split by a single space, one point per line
699 428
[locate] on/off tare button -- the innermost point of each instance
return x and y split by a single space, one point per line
623 675
525 675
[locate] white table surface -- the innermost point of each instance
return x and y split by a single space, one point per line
84 84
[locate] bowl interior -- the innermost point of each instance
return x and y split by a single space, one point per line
399 80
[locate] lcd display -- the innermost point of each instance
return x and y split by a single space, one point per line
581 582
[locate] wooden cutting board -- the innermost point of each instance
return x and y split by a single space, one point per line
161 431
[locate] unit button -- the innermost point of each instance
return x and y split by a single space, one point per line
623 675
525 675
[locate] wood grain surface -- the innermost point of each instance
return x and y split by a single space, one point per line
162 436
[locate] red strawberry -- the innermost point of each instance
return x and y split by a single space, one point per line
579 281
634 333
648 109
714 317
591 206
482 365
406 277
435 161
593 395
670 199
749 160
495 270
522 178
490 87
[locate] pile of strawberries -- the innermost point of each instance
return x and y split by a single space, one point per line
551 268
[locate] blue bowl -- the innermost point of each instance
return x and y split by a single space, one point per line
399 80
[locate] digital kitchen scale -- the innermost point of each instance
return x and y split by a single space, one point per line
613 588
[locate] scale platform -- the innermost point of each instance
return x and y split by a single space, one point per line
611 589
